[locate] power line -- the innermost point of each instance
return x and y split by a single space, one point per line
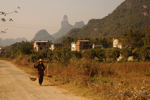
26 26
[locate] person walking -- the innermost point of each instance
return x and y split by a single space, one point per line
40 68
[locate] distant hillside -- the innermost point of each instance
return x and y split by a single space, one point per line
7 42
131 14
65 27
43 35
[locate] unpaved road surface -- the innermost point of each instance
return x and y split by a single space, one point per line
16 85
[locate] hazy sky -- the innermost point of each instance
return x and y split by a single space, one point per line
35 15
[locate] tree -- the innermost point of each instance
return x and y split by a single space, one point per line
126 52
88 54
57 54
65 56
145 52
50 55
100 54
113 53
76 54
134 38
23 50
5 14
147 37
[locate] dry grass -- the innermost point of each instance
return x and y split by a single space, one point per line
100 81
116 81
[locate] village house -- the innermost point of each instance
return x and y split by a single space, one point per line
40 45
81 45
117 44
73 46
53 46
120 45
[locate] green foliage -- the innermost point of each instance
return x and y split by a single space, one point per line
147 37
50 55
62 55
65 56
92 53
57 54
145 52
100 54
106 42
67 42
112 53
8 55
89 54
136 53
126 52
128 15
44 53
134 38
23 50
76 54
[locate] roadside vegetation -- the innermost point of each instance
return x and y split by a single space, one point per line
94 73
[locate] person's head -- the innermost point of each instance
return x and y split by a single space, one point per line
40 61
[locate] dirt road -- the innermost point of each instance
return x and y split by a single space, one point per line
16 85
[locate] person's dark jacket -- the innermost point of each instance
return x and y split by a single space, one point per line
40 68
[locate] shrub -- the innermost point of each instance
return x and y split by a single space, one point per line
112 53
89 54
50 55
126 52
100 54
145 52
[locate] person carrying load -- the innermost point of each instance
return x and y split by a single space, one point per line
40 68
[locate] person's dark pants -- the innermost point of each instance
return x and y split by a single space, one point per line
40 80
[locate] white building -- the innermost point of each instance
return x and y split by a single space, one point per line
53 46
117 44
73 46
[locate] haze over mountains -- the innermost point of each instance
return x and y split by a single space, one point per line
10 41
44 35
131 14
65 27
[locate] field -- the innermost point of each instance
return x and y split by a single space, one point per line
97 81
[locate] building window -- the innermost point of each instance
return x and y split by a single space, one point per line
44 43
40 48
38 43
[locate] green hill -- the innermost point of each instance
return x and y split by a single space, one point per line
131 14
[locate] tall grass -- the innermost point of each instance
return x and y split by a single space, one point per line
116 81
